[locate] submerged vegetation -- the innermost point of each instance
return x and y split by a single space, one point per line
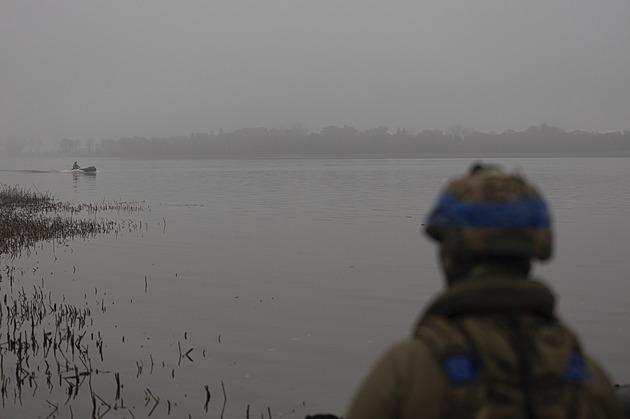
47 345
44 341
61 356
28 217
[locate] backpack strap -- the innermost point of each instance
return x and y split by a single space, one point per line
562 397
457 357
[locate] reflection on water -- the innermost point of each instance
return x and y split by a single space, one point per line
287 278
84 180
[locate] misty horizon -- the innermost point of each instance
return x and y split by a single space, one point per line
116 69
538 140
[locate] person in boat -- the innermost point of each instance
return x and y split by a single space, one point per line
491 345
75 166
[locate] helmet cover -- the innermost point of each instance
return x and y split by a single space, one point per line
491 212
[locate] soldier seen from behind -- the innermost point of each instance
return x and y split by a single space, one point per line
491 345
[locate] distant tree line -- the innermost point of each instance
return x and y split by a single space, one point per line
538 140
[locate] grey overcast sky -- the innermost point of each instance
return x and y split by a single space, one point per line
114 68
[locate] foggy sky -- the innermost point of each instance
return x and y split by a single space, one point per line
115 68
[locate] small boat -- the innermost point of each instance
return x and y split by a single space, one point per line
89 169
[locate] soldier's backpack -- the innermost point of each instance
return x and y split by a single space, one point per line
474 395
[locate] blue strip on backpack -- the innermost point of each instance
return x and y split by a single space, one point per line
577 371
526 212
461 369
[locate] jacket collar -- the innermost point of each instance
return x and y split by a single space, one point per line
489 293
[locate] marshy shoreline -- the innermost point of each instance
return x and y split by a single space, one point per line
54 348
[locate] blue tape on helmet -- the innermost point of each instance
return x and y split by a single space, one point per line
526 212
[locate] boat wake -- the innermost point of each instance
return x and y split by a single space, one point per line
87 170
30 171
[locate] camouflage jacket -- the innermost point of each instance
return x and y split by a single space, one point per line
411 380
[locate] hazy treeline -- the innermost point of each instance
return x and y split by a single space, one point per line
538 140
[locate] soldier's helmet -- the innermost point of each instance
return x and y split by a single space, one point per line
490 211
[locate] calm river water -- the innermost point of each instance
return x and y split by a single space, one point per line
284 280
